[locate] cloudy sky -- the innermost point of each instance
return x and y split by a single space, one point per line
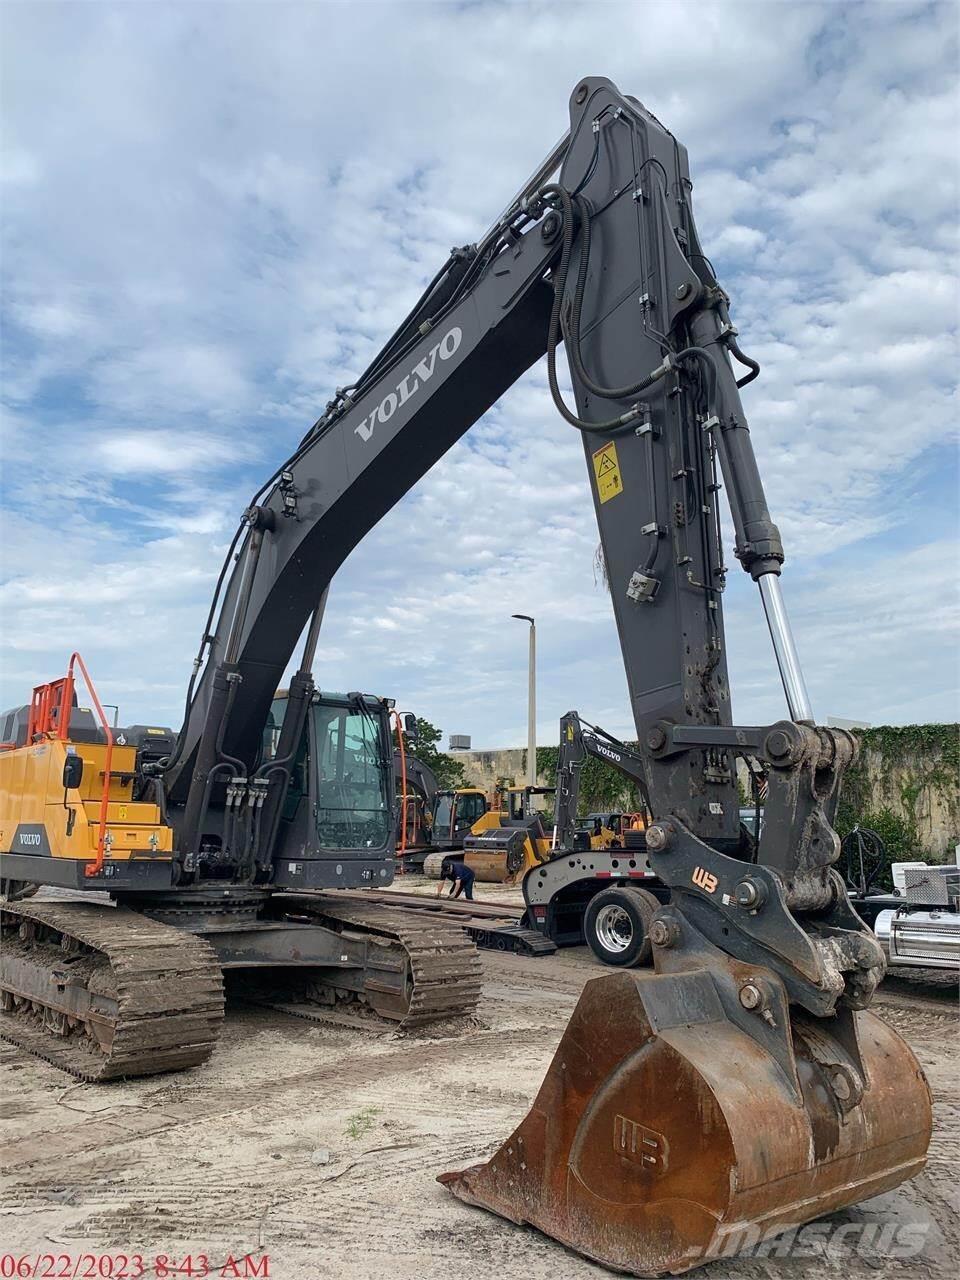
214 213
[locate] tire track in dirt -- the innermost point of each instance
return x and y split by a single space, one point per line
230 1162
209 1103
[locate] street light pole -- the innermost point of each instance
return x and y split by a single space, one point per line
531 701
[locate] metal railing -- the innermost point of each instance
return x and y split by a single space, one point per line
50 710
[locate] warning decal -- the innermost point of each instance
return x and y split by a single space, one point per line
607 470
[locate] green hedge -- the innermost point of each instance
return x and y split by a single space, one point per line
928 757
602 788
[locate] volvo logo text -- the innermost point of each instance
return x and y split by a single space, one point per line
408 387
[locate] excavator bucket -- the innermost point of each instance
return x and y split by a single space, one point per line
664 1136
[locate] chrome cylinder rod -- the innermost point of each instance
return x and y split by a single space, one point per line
251 555
313 634
798 700
536 180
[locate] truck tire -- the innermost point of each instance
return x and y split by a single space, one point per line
616 925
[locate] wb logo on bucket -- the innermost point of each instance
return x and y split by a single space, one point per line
704 880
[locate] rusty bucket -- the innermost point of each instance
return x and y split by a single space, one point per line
664 1136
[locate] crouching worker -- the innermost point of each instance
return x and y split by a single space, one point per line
461 878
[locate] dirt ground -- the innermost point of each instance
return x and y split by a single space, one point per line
318 1147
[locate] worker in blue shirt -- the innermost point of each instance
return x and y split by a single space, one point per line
460 874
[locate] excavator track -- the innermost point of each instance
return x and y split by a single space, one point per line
443 968
105 993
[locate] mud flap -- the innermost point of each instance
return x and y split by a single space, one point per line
664 1136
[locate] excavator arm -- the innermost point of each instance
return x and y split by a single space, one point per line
607 261
778 1107
578 742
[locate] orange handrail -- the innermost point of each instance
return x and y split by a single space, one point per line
403 785
94 868
50 710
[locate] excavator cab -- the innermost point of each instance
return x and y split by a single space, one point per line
521 804
455 812
338 811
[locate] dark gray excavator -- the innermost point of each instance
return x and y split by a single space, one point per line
743 1086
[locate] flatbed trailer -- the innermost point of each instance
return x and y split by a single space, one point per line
492 926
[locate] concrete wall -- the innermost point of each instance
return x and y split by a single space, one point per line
913 788
485 768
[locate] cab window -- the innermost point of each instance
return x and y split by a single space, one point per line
470 808
351 776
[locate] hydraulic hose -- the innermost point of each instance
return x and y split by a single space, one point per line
238 766
611 425
607 393
654 551
708 362
752 365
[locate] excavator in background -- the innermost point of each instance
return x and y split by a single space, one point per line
596 831
430 818
580 740
595 886
743 1086
503 842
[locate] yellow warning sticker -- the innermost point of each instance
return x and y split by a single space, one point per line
607 470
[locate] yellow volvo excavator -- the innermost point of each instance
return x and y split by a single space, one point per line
744 1085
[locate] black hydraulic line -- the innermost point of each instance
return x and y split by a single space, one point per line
446 300
343 399
238 766
708 362
161 798
443 289
222 761
607 393
654 533
612 425
174 758
752 365
208 787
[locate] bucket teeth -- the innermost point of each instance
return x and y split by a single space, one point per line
664 1136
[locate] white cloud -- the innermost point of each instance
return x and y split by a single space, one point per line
737 241
204 234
